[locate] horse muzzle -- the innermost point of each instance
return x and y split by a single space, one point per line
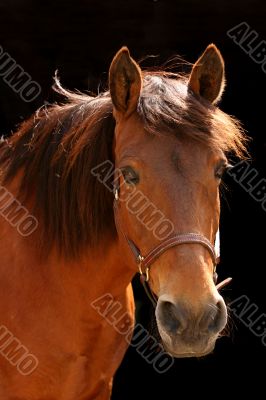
186 333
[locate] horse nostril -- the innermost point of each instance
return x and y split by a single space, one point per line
171 317
179 319
216 317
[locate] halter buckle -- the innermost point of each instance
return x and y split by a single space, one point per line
146 275
116 194
140 258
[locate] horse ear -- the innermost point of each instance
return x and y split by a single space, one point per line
207 77
124 83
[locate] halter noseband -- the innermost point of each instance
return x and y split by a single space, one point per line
145 262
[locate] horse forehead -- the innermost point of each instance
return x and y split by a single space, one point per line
145 147
134 140
132 133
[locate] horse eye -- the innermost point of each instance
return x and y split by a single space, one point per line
131 177
220 170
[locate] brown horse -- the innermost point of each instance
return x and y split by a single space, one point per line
66 249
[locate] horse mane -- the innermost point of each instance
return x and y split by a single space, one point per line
57 148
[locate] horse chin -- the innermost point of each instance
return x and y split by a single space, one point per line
190 354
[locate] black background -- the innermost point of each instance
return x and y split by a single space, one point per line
79 38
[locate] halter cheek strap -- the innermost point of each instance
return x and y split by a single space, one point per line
145 262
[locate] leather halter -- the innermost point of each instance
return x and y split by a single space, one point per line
145 262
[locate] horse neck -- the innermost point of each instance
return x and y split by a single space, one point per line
103 269
97 271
